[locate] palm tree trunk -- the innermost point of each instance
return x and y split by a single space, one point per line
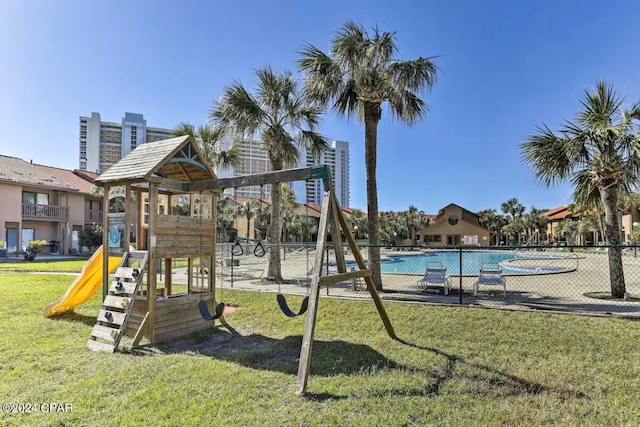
275 267
372 114
609 197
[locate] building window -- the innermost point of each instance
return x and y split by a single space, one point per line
35 198
28 234
433 238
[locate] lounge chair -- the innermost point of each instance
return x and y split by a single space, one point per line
435 273
490 274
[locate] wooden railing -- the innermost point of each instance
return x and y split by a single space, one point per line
33 212
93 215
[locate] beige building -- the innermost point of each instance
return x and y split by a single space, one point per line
561 214
453 226
44 203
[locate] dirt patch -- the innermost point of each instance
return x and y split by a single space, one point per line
607 297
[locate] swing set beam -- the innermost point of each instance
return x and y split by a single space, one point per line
301 174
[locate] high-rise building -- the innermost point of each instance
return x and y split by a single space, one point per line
102 144
253 159
337 158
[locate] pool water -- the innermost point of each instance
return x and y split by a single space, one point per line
471 261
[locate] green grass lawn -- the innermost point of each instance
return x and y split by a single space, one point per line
65 266
453 366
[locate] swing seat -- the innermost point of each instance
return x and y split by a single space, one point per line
282 302
206 315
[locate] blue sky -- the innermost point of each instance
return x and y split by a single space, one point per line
505 66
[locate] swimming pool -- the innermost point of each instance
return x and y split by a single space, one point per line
471 261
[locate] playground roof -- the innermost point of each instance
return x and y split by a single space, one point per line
177 159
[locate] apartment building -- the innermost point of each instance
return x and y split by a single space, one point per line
44 203
337 158
253 159
102 144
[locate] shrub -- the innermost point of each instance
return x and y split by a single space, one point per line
91 236
33 248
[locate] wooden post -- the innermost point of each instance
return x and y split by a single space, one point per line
304 365
105 241
336 236
189 274
139 220
127 217
167 262
368 279
153 262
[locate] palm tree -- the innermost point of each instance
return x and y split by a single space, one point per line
493 222
284 121
413 222
599 153
263 218
209 141
226 216
248 210
360 73
514 208
571 230
287 207
534 221
358 222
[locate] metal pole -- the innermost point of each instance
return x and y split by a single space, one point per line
232 267
460 292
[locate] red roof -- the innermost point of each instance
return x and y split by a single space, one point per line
86 175
561 212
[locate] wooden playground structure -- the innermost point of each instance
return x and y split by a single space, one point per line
177 167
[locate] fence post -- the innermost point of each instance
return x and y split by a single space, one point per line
232 267
460 292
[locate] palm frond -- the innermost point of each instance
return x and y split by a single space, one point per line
349 44
273 90
586 192
382 48
281 146
416 75
347 102
227 159
322 75
546 153
406 106
314 142
239 109
183 129
600 106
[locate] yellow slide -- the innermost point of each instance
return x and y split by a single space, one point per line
83 288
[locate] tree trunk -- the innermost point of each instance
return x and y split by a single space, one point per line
275 266
609 197
372 115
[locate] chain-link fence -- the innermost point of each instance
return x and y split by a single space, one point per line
565 278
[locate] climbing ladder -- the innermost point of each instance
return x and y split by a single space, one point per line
111 323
